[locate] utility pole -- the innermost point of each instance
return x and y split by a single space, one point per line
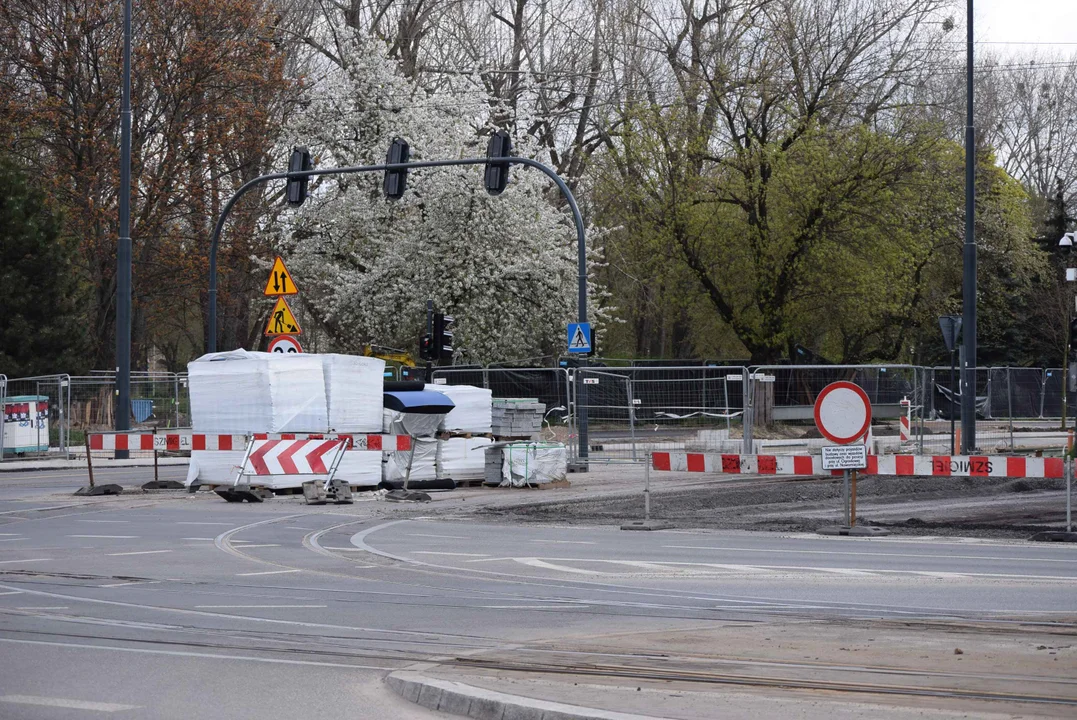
123 249
968 372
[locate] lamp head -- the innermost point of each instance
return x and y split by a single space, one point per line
1066 241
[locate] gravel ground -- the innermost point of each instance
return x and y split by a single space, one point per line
981 507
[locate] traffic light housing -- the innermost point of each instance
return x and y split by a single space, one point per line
442 342
396 181
496 178
426 347
298 162
1073 337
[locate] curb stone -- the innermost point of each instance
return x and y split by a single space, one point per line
459 698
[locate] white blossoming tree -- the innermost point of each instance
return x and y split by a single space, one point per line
504 267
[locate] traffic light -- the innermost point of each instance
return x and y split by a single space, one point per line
397 180
298 162
497 173
426 347
442 346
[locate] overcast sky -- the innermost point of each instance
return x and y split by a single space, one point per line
1027 21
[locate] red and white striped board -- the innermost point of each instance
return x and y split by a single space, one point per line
292 457
904 465
204 441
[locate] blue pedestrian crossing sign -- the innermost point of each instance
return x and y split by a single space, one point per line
579 337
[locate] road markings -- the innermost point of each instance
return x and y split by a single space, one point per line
104 521
449 537
12 539
209 539
266 572
66 703
46 607
255 607
566 542
5 562
139 552
107 537
265 545
535 607
179 653
12 592
189 522
434 552
6 534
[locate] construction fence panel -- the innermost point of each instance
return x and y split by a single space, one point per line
158 400
36 415
634 411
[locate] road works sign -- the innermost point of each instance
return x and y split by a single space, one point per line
282 321
285 344
842 412
280 281
579 337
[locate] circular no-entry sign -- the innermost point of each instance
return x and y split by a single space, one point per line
842 412
285 344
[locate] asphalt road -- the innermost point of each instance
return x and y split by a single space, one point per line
185 606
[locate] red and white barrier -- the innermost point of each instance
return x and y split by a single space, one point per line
202 441
905 431
902 465
293 457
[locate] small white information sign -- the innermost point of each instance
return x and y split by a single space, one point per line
845 457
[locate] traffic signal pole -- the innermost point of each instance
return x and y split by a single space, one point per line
968 371
581 243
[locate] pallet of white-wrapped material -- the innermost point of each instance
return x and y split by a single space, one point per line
462 458
423 462
244 392
353 389
533 463
474 408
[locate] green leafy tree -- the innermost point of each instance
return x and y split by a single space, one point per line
42 323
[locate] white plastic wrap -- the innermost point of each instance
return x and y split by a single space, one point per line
533 464
462 458
423 466
473 412
246 392
414 424
353 388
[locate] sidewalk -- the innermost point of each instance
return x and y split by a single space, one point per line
795 670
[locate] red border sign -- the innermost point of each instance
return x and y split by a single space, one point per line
286 343
842 385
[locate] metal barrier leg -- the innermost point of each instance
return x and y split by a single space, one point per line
647 523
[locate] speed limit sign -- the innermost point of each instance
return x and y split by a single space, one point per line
285 344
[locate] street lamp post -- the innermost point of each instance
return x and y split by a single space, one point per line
123 247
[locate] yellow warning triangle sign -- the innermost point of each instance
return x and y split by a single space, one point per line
280 280
282 321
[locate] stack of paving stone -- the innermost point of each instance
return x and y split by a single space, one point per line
513 418
492 472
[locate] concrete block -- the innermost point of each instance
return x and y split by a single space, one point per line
455 703
521 711
406 688
429 696
486 709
